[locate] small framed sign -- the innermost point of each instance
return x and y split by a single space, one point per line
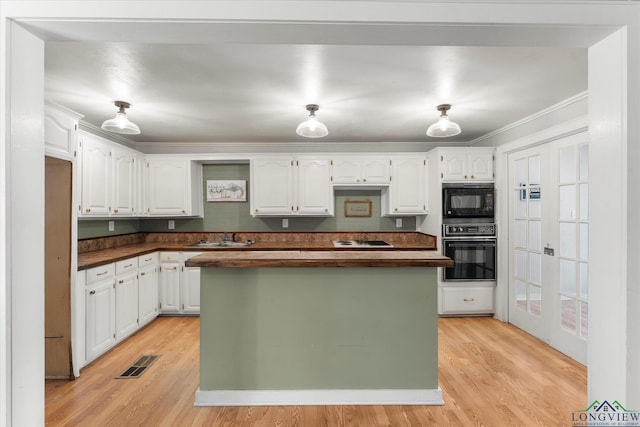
226 191
357 208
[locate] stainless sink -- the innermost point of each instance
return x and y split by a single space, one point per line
221 244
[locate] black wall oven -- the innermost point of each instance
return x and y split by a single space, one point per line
472 247
468 201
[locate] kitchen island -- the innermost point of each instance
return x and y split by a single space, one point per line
318 327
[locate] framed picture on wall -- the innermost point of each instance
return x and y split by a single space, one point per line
357 208
226 190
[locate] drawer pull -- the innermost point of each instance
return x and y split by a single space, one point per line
142 274
127 266
148 259
116 210
469 299
88 210
121 281
103 273
92 292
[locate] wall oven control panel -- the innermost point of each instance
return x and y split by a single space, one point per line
469 230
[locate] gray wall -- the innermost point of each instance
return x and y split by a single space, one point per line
235 216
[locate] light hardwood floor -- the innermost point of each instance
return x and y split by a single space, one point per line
491 374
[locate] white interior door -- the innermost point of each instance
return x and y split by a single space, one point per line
529 280
548 243
571 300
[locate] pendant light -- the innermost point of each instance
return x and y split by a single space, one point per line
312 128
120 123
443 127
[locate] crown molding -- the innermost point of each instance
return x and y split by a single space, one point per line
88 127
559 106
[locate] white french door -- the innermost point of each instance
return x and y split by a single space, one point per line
548 243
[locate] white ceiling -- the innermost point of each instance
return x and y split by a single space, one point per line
251 92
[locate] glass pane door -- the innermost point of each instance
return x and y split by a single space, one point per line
526 199
549 243
572 298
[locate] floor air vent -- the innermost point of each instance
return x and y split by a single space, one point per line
139 366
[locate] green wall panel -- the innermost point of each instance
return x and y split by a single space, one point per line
88 229
318 328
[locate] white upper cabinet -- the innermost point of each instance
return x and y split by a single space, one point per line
140 185
109 178
272 186
96 176
60 132
407 192
124 180
315 195
464 164
285 186
174 187
369 170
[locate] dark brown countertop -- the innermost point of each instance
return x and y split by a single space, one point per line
324 258
101 251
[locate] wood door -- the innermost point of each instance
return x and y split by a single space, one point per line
57 326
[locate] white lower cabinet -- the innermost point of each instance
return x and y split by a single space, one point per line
179 286
454 300
147 288
100 311
120 298
191 290
126 297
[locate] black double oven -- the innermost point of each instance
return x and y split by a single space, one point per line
469 232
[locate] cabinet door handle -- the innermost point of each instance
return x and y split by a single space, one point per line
88 210
121 281
472 176
469 299
142 274
174 268
103 273
364 180
184 211
92 292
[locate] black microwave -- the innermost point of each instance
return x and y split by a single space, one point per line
468 200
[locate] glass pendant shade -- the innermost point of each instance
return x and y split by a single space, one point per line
120 123
312 128
443 127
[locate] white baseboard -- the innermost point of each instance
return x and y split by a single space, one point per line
317 397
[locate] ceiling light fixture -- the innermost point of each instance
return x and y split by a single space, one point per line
443 127
312 128
120 123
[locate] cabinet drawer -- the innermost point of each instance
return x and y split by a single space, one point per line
97 274
130 264
169 256
466 300
148 259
